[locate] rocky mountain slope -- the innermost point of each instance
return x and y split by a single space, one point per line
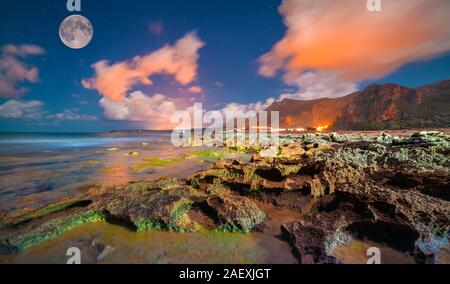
388 106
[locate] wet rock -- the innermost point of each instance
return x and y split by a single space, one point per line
161 205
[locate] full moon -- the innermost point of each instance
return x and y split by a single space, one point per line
76 31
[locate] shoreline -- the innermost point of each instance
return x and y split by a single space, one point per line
342 186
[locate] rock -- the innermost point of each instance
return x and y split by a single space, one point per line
385 138
132 154
270 152
140 206
391 190
113 149
292 150
309 242
236 214
339 138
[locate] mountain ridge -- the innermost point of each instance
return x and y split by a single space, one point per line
378 106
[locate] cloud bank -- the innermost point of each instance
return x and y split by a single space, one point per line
71 115
35 111
14 72
27 110
116 83
331 43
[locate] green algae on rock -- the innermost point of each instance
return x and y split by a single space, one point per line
161 205
22 216
149 163
209 153
54 228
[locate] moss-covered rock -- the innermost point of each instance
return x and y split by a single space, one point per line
237 214
16 218
53 229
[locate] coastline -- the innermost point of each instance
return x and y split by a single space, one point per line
341 181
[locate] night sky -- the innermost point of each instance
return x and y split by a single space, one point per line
235 36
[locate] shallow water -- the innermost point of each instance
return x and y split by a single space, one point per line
158 247
36 169
356 253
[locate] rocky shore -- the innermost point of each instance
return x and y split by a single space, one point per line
388 189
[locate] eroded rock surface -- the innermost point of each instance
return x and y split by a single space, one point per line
161 205
388 189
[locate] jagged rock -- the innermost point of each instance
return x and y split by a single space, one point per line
292 150
236 213
365 188
141 206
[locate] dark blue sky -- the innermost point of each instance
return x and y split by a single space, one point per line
236 33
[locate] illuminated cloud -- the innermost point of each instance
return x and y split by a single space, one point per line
195 90
341 41
17 109
14 72
180 60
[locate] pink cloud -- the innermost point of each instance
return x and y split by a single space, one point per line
14 72
195 90
180 60
344 40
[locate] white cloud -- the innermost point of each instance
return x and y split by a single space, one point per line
155 111
258 106
71 114
14 72
28 110
35 111
313 85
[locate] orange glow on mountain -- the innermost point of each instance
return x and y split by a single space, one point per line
322 128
